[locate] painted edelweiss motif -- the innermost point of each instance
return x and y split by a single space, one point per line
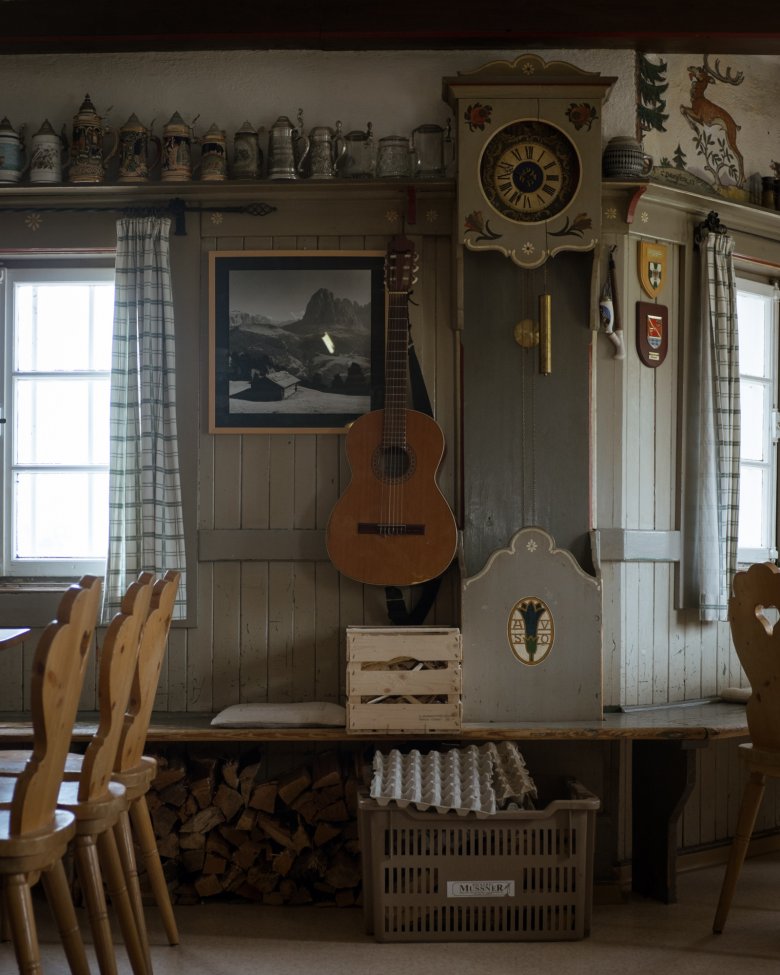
33 221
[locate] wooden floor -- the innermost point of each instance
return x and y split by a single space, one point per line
641 937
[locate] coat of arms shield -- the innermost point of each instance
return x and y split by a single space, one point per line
652 267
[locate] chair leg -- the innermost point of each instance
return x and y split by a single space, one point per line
88 865
124 841
144 832
751 801
120 898
58 895
21 918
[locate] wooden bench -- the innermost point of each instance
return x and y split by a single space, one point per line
663 740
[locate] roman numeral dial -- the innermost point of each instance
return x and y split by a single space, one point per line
529 171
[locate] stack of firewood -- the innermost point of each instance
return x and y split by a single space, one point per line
223 828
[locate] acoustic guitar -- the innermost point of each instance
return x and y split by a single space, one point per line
392 526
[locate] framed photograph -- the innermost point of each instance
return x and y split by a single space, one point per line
296 339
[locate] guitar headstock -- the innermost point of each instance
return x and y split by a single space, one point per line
401 265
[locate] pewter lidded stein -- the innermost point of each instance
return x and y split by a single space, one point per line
359 156
12 154
326 149
87 157
287 150
247 155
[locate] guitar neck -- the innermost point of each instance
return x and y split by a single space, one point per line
396 370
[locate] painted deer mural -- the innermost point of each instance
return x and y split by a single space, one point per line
703 113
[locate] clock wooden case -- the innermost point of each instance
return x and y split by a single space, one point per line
529 157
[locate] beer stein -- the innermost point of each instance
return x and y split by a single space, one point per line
12 154
87 156
46 156
428 151
134 140
287 149
177 150
247 155
213 156
327 147
392 159
357 161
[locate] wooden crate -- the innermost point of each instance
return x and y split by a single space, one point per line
393 672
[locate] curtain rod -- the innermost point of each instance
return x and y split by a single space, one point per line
176 208
711 225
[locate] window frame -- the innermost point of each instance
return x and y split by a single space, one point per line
767 288
62 268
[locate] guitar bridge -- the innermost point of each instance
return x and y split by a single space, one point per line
387 528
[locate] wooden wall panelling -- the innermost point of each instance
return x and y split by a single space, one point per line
305 480
174 682
199 645
253 636
304 631
226 670
328 457
328 644
281 588
14 676
255 481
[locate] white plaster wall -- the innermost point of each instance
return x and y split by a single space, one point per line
396 90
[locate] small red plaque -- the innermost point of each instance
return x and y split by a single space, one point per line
652 333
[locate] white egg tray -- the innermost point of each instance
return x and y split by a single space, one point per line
474 779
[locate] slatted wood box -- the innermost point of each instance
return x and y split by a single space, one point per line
404 679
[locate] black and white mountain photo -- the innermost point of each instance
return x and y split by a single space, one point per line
299 341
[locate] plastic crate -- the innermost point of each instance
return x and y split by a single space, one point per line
514 876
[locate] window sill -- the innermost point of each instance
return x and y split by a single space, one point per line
34 585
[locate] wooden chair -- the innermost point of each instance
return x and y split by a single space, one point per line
94 801
757 644
134 770
34 833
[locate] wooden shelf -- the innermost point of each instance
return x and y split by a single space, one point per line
676 722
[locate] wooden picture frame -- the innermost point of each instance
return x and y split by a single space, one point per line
296 340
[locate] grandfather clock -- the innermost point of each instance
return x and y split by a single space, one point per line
529 221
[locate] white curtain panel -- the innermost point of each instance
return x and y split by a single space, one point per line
146 530
713 439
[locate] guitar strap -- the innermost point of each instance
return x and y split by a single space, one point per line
397 611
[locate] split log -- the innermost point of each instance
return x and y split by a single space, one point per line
226 828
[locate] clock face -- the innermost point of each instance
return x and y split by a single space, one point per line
529 171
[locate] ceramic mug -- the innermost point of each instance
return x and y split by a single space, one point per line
212 166
47 155
177 151
12 154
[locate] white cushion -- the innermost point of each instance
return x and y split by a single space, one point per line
314 714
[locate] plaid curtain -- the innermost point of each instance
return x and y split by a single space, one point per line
714 437
146 530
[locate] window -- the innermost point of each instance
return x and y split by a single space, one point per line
757 315
57 331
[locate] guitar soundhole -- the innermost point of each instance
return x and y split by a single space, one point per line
393 463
